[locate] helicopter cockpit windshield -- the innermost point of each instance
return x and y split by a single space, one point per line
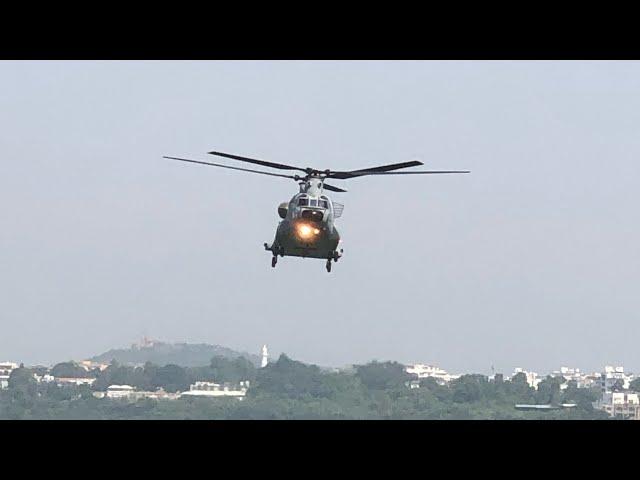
311 208
313 202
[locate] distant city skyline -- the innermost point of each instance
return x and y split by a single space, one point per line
416 367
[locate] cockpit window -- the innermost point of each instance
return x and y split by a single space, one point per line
312 215
313 202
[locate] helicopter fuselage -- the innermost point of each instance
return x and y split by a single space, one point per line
307 228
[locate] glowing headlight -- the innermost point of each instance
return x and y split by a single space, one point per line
305 231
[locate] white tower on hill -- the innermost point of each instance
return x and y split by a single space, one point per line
265 356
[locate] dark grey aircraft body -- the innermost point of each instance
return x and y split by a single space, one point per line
308 226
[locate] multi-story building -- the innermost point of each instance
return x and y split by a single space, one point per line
429 371
590 380
614 378
129 393
116 391
211 389
582 380
5 372
46 378
620 404
63 381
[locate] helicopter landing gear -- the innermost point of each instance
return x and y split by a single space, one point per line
274 260
329 265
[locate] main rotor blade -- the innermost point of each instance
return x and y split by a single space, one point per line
393 166
332 188
232 168
382 168
422 172
264 163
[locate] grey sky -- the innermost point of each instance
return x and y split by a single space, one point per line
531 260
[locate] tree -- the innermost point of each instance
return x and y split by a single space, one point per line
288 389
115 374
519 388
222 369
172 378
583 397
549 390
383 376
23 385
291 379
21 378
468 388
69 370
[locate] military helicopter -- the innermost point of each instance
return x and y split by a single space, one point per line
308 227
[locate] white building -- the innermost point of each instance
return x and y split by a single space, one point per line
65 381
625 404
120 391
414 384
265 356
89 365
210 389
613 375
429 371
589 380
127 392
158 395
568 374
5 372
44 378
146 342
582 380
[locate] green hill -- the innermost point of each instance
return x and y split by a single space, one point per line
183 354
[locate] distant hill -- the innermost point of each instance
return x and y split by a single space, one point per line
183 354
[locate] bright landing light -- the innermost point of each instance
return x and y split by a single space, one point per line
305 231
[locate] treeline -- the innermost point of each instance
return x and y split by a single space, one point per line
174 378
151 377
287 389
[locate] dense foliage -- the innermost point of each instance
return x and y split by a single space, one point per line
287 389
69 370
183 354
174 378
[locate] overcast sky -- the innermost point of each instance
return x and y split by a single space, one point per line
531 260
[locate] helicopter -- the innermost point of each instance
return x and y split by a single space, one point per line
308 226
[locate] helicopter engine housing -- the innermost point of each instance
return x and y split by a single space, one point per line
282 209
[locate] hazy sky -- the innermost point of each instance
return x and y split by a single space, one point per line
531 260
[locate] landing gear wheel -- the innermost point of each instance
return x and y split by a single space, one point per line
274 260
329 265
